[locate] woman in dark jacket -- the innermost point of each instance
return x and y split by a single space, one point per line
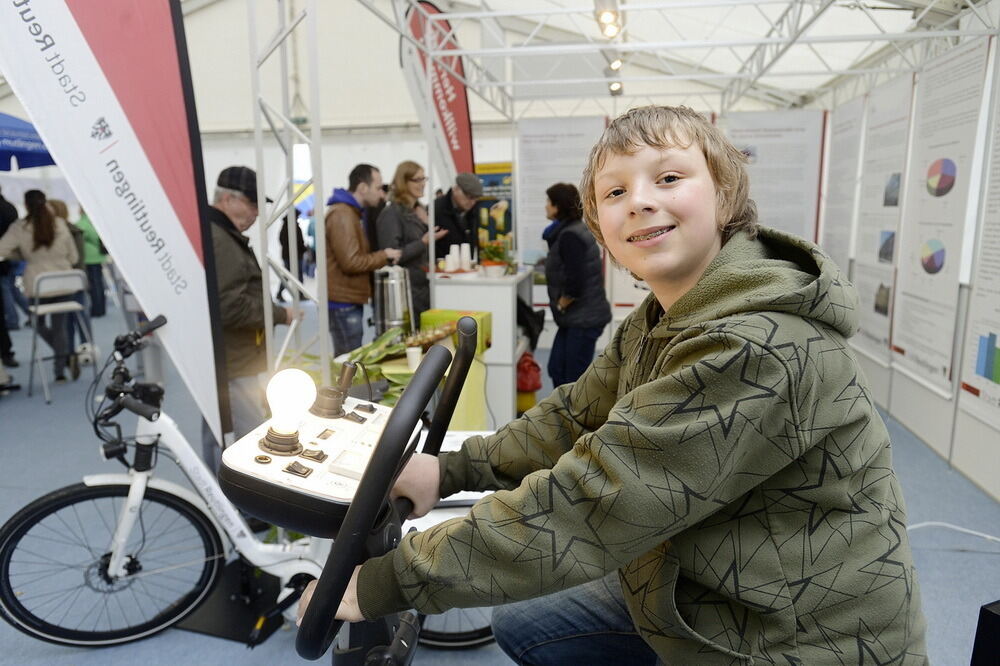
575 279
400 226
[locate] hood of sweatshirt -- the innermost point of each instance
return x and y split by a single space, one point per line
776 272
340 195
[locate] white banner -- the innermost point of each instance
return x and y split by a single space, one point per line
842 181
948 101
104 86
876 245
785 149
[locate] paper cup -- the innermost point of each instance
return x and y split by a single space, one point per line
413 355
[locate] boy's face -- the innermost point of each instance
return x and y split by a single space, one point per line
656 210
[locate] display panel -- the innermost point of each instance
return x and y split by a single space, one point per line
946 116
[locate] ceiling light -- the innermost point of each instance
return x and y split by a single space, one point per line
615 88
607 16
616 64
610 30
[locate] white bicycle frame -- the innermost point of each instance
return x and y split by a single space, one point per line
283 560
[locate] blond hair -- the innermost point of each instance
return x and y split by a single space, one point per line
398 192
676 127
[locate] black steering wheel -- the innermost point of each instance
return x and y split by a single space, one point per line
319 627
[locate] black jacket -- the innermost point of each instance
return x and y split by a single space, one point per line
573 268
240 294
8 216
461 226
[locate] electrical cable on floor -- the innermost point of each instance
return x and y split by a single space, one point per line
964 530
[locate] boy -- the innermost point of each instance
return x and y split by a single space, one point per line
717 485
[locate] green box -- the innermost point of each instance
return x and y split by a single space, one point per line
484 320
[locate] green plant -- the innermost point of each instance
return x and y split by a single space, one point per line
494 251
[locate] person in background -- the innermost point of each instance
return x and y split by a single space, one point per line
94 258
6 347
286 257
575 279
8 215
401 228
240 295
452 212
350 261
44 242
61 211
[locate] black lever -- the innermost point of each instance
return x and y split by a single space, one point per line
317 631
464 355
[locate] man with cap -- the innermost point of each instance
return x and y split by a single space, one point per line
239 290
452 213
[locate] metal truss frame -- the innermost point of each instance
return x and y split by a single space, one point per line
278 115
935 25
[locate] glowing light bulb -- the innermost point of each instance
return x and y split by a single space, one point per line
616 64
610 30
290 394
607 16
615 86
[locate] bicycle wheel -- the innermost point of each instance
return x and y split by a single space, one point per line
458 629
54 557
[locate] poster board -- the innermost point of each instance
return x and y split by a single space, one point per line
980 394
785 151
946 116
883 163
840 196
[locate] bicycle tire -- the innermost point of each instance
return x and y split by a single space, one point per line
53 566
457 629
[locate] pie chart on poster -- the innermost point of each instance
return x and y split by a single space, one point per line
941 177
932 255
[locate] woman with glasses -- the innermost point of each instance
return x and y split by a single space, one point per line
400 226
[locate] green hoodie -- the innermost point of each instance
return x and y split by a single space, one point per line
724 457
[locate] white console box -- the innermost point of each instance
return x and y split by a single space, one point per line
498 296
347 446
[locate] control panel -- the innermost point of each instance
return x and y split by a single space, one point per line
317 476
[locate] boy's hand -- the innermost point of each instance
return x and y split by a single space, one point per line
420 481
349 611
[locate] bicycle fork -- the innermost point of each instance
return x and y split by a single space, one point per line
141 471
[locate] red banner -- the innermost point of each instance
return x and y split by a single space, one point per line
453 129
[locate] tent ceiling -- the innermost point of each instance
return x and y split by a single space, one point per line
712 54
779 52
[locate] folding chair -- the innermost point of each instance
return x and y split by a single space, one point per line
48 285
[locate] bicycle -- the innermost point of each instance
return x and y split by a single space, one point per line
120 557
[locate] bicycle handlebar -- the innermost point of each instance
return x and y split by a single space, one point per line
464 354
140 408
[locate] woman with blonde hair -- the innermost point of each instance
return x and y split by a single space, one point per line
43 241
400 226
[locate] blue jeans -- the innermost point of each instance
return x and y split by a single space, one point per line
246 405
95 278
586 624
347 328
572 352
73 325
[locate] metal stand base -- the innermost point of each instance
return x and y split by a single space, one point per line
241 596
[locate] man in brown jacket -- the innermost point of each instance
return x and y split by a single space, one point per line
349 259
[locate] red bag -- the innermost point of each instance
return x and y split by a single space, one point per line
529 373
